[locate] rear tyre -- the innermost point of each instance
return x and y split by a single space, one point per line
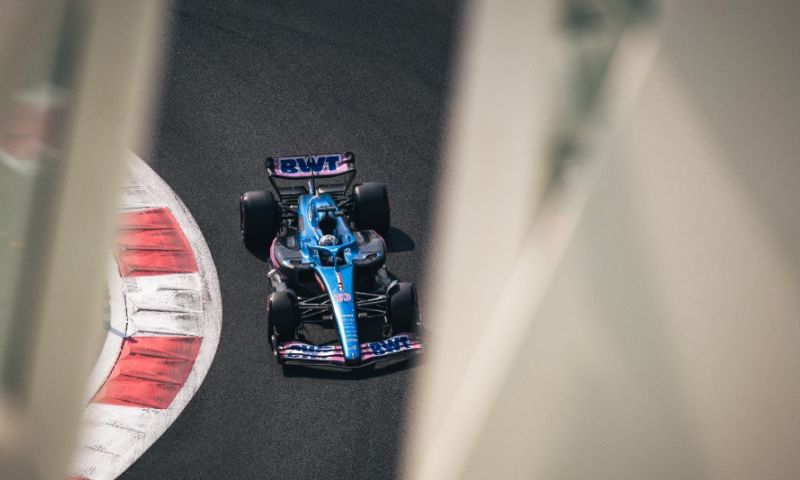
281 316
259 220
403 312
371 210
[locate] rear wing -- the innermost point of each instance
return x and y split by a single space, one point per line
310 166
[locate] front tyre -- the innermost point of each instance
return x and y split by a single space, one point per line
403 313
371 202
259 220
281 316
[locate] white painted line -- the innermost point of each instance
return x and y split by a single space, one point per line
118 324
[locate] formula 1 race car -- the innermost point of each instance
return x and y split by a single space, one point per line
325 247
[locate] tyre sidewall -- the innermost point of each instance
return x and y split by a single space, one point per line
403 313
258 220
281 315
372 207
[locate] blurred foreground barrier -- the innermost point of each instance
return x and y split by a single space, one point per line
629 175
73 82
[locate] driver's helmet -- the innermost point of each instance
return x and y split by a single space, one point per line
328 240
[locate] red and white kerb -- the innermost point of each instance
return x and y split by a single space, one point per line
164 328
151 369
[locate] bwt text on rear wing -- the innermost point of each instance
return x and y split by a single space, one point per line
308 166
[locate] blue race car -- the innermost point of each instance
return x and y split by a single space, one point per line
325 247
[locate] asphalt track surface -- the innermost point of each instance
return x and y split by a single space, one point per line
247 79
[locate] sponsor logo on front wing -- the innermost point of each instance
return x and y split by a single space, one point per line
390 345
309 352
380 348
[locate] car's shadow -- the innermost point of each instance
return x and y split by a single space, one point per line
398 241
370 371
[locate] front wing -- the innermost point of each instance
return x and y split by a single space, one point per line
402 345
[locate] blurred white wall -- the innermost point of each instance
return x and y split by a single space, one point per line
658 339
74 82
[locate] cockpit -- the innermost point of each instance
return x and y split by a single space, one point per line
324 239
329 225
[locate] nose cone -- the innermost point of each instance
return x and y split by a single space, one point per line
344 310
339 282
350 345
